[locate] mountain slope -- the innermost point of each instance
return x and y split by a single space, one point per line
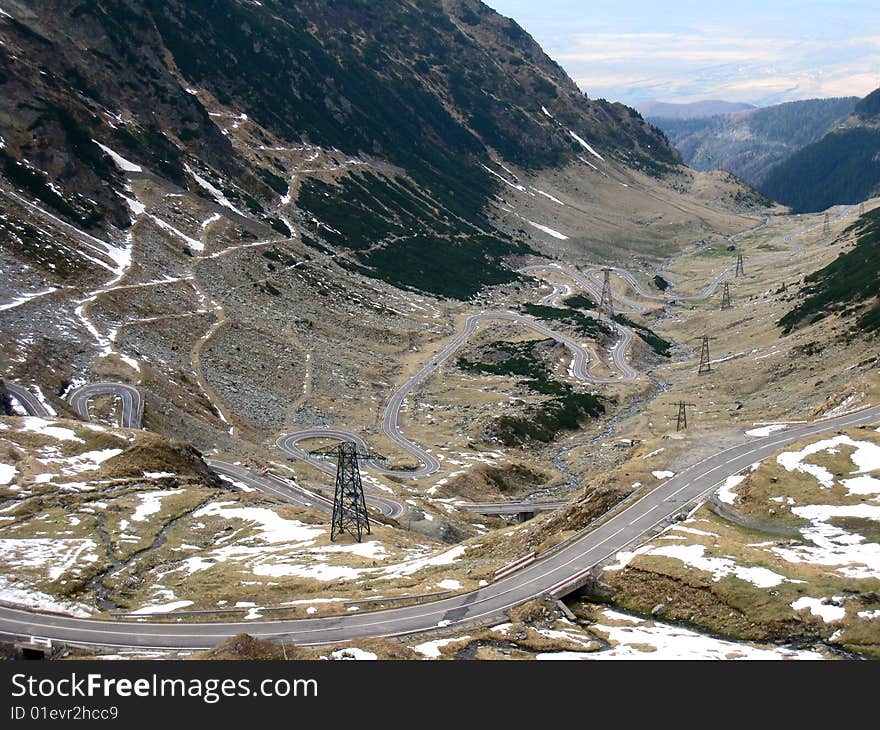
849 286
750 143
283 200
841 168
431 88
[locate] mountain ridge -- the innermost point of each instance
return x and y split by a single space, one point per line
841 168
750 143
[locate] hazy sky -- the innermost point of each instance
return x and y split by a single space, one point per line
683 50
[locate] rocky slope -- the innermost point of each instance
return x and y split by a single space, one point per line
431 89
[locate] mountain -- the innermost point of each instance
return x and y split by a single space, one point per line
258 211
840 168
868 109
433 89
693 110
750 143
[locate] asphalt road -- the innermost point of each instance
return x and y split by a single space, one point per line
283 489
27 400
289 491
582 362
554 574
130 397
507 508
485 605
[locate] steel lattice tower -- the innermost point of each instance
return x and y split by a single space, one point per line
682 423
740 266
349 504
607 303
862 208
705 359
827 227
726 300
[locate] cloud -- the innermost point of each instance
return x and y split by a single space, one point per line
633 67
681 50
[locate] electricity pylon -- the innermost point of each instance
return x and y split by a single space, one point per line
726 301
682 423
827 227
740 266
349 504
607 304
705 360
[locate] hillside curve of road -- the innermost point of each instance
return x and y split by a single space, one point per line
550 575
130 397
584 356
553 575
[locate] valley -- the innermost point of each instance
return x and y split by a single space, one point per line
499 297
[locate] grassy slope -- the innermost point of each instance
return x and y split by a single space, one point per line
849 285
564 410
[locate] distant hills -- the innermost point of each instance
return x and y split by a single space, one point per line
749 143
694 110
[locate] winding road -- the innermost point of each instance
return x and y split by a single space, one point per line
584 356
556 574
129 396
27 400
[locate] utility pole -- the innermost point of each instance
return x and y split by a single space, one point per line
726 301
705 359
740 266
682 422
349 504
606 306
827 228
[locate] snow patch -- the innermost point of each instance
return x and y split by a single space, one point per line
45 428
586 145
431 649
826 611
162 608
548 231
694 556
25 298
119 160
353 653
7 472
866 457
449 584
726 493
766 430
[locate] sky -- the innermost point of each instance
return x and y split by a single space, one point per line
683 51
